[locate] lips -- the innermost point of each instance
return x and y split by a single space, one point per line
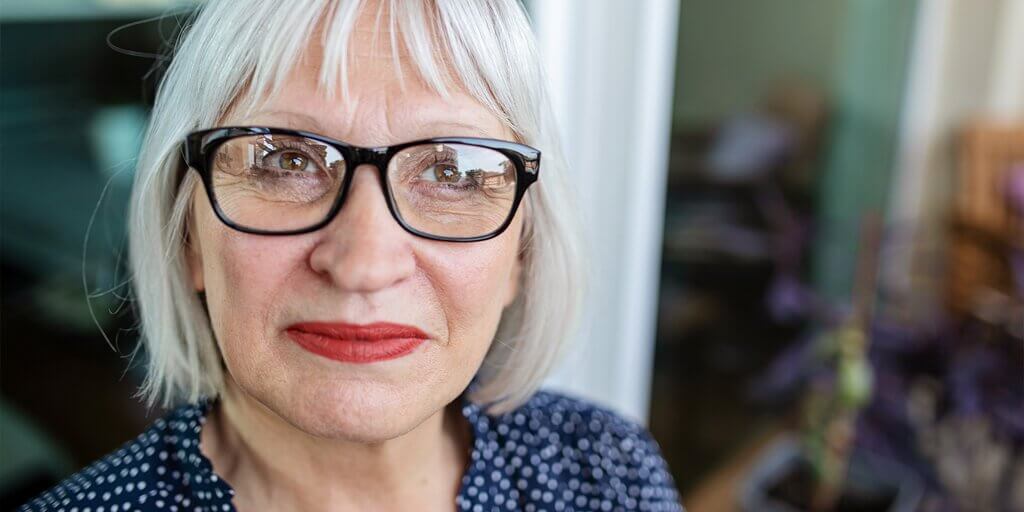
357 343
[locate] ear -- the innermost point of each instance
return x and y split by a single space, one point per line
512 290
516 273
194 253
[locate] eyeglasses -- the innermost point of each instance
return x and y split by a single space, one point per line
276 181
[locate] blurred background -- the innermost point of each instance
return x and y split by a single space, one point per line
807 242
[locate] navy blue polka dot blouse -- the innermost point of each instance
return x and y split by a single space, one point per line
553 453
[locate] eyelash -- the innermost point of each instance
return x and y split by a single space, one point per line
434 187
284 145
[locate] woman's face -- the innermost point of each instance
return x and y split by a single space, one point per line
359 269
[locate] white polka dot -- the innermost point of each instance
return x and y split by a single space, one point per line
553 453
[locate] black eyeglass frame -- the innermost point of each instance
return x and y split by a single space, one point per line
199 147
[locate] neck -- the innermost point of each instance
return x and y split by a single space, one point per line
274 466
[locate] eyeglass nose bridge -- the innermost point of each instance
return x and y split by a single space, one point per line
377 157
356 156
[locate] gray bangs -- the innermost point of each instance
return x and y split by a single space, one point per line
451 45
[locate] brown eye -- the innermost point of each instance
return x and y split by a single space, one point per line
293 161
446 173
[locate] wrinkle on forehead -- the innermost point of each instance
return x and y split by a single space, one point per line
409 125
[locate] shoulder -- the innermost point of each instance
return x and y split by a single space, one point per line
589 450
158 469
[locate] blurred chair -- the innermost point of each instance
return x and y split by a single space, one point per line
987 232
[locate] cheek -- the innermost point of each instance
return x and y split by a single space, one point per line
245 276
470 281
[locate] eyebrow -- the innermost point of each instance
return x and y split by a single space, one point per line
298 120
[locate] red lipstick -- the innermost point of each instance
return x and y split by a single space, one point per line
354 343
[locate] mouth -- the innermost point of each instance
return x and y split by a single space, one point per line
357 343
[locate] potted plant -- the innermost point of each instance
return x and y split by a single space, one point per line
819 468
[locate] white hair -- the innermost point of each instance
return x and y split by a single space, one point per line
234 55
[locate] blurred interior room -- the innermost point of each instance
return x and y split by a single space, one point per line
808 264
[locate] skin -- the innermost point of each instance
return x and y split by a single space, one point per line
294 430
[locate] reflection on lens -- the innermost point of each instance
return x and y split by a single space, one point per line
276 182
452 190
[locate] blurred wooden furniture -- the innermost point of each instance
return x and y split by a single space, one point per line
985 229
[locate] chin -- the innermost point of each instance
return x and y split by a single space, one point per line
365 412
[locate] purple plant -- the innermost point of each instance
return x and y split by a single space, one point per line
949 403
948 400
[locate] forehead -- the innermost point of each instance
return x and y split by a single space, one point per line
373 112
386 99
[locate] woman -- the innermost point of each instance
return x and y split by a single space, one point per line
352 278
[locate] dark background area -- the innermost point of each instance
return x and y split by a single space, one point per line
73 114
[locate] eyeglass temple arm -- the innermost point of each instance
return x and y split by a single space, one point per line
532 165
190 151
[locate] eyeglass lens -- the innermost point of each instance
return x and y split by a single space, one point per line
280 183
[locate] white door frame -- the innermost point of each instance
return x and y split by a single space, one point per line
611 69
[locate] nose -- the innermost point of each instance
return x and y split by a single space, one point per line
363 249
